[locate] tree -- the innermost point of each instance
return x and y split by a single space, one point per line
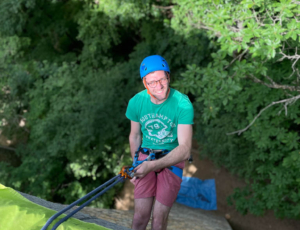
254 70
69 69
252 36
57 76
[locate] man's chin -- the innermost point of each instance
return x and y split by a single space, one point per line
161 97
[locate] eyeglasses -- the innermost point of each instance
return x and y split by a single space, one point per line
162 81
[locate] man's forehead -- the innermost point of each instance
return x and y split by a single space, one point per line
156 75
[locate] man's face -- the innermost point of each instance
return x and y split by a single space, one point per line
161 89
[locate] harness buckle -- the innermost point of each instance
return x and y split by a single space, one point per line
157 153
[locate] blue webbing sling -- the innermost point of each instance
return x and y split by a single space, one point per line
152 155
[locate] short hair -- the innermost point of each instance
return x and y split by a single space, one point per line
167 74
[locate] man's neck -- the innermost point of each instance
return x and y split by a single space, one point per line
155 101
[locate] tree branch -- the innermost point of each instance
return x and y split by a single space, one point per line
237 57
202 26
286 102
274 85
295 57
8 148
164 7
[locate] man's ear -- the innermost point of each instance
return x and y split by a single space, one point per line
169 78
144 82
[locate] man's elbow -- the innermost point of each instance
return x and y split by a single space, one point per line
186 151
134 138
131 139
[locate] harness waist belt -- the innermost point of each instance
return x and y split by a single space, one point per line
159 154
177 171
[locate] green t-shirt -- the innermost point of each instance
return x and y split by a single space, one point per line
159 122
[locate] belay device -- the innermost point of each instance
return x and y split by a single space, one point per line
126 172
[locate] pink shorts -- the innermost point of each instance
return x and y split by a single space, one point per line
164 185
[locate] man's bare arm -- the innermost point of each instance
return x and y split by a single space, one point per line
135 137
180 153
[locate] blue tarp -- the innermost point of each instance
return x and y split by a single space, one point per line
198 193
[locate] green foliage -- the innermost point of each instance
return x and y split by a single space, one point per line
58 75
70 78
250 35
68 69
255 64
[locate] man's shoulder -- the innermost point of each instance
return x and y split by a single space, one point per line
185 109
139 96
182 98
135 105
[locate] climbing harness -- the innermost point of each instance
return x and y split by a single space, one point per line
154 155
126 172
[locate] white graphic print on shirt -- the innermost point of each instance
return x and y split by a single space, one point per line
159 128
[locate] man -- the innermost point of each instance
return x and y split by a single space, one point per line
164 116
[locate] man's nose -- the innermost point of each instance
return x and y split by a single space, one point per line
160 85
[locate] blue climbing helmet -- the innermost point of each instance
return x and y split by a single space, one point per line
153 63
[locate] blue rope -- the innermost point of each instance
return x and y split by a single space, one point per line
110 184
80 200
86 203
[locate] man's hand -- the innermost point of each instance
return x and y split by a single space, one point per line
143 169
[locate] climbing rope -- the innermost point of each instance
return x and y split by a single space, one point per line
126 172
